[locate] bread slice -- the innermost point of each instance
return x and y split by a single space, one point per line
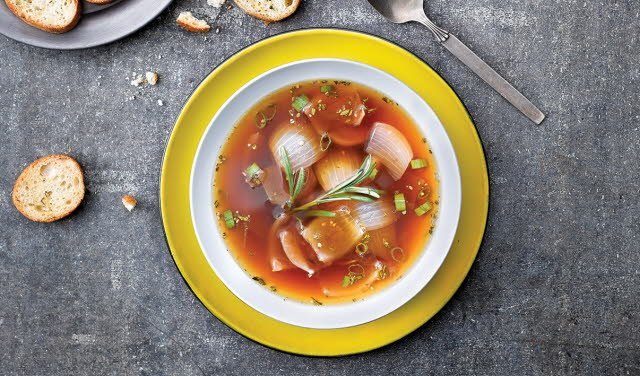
54 16
269 10
50 188
187 21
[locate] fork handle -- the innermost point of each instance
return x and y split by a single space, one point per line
490 76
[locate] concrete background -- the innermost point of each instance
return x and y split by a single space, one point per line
554 290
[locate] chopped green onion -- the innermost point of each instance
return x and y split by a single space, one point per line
419 163
253 169
346 281
254 175
361 249
299 103
327 88
273 112
261 120
400 202
228 219
397 254
325 142
423 209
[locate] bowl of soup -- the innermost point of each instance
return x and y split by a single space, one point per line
325 193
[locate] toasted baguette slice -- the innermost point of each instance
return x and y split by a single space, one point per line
54 16
269 10
187 21
49 189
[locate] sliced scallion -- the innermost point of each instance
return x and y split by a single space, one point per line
254 175
261 120
400 202
325 142
253 169
423 209
228 219
327 88
419 163
270 111
300 102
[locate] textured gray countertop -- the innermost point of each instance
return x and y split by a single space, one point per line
555 288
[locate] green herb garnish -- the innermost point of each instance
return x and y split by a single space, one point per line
348 189
229 220
318 213
400 202
300 102
254 175
419 163
423 209
327 89
264 117
294 180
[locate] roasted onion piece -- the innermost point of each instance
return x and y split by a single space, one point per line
333 237
381 241
336 166
388 145
374 215
339 113
298 251
301 143
278 260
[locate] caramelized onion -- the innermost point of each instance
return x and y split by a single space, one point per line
389 145
339 113
276 188
333 237
277 258
374 215
300 142
298 251
381 241
336 166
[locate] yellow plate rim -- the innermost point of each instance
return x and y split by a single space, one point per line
464 269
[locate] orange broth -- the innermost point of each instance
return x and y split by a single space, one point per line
247 241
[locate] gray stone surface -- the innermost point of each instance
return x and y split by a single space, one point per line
554 290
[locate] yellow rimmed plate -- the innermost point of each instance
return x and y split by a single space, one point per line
233 74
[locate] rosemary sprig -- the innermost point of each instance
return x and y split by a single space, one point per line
295 180
348 190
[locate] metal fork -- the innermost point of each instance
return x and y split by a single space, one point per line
401 11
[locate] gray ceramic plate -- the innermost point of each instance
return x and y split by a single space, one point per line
100 24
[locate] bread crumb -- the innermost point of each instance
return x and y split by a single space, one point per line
215 3
160 102
137 81
187 21
129 202
152 78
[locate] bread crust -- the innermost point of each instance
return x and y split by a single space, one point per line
99 2
250 11
192 28
24 175
31 21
